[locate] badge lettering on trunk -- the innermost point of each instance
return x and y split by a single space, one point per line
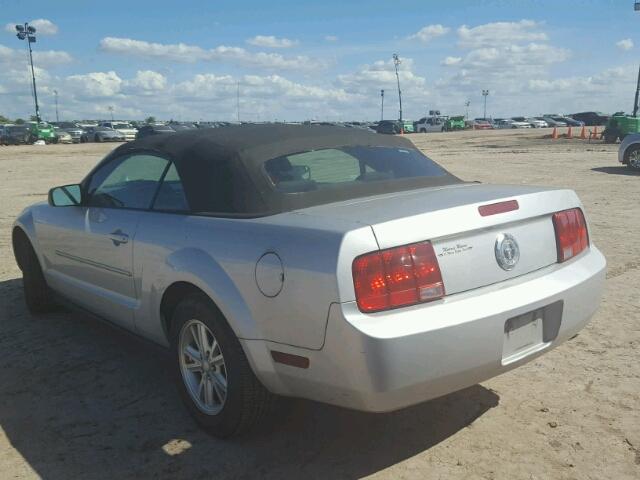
507 251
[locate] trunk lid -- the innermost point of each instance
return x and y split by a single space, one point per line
465 242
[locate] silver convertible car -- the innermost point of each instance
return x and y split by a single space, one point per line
320 262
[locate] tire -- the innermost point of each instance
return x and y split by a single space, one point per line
98 139
246 400
632 157
37 294
610 138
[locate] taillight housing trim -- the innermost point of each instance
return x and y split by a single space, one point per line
397 277
572 234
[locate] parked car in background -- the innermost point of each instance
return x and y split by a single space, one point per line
124 128
16 135
520 123
180 127
72 129
482 124
101 134
148 130
430 124
62 136
536 122
390 127
569 122
591 118
524 120
554 123
501 123
629 151
318 262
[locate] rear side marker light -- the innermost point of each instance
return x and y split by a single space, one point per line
397 277
500 207
290 359
572 236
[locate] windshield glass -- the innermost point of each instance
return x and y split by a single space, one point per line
342 167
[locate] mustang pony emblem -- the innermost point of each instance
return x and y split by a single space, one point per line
507 251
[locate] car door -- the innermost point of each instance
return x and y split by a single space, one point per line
90 247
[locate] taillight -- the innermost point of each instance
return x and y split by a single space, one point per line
397 277
571 233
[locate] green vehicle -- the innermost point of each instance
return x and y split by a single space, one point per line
454 123
619 126
42 131
407 126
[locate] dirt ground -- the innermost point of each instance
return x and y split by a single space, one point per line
81 400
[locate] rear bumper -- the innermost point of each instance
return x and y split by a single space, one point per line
391 360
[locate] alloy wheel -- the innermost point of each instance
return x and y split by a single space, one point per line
634 159
202 366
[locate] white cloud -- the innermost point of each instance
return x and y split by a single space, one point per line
96 84
429 32
626 44
147 81
449 61
500 33
42 26
269 41
368 80
189 53
45 58
331 38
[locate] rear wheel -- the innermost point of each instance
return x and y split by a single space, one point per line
213 374
37 294
632 157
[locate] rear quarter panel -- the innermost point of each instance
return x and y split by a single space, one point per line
219 256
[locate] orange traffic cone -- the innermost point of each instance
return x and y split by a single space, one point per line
583 133
554 134
569 132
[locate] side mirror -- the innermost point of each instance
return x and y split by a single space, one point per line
65 196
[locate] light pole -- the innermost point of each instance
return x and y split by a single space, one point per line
466 104
110 108
396 62
636 7
27 32
381 104
55 93
485 94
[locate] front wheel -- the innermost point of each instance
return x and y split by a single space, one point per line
37 294
213 374
632 157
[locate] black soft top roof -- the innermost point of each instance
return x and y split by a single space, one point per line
222 168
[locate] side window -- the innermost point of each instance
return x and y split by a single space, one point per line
127 182
171 197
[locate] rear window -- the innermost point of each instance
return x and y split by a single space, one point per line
340 168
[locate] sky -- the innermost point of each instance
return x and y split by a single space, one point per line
322 60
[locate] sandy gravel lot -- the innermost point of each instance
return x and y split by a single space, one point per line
80 400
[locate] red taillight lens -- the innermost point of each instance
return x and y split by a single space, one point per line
397 277
571 233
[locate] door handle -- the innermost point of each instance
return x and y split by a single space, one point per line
118 237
